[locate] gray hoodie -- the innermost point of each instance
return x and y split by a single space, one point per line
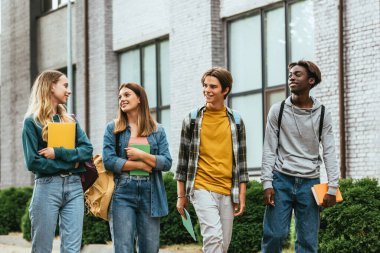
298 146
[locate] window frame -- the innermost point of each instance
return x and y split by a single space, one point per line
264 90
158 107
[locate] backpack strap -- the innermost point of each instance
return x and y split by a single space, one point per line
321 122
280 118
193 116
236 117
237 122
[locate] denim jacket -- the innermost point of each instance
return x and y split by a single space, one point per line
158 146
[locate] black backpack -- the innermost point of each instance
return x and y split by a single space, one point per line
320 120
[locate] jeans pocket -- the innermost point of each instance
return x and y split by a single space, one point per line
44 180
122 182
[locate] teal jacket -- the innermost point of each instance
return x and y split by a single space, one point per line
65 159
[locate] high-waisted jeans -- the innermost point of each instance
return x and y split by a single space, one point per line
130 217
57 197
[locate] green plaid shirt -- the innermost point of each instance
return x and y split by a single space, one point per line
189 153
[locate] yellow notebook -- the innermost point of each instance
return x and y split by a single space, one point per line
319 191
61 135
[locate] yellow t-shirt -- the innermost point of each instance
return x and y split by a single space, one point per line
214 171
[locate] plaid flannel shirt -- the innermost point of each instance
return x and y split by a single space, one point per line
189 153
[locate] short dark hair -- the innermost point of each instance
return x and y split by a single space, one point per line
311 68
223 75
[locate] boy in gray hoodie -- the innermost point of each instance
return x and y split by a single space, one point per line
291 162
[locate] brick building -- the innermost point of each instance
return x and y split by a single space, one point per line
166 45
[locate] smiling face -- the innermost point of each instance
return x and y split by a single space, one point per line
212 91
128 100
60 90
299 80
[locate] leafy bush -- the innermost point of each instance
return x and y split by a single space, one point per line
95 230
248 228
13 202
172 230
25 224
353 225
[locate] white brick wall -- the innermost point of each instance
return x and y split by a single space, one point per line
190 57
139 21
103 70
15 85
362 58
51 39
233 7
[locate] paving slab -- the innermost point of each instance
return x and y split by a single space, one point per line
14 243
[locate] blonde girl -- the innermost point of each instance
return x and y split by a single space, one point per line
57 190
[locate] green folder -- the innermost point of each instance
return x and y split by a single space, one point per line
146 149
188 225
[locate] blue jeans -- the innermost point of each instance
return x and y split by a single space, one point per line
291 193
130 217
57 197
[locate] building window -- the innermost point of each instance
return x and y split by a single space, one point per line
260 45
49 5
148 65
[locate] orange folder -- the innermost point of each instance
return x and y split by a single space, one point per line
61 135
319 191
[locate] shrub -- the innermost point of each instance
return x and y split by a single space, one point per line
172 229
25 224
248 228
353 225
13 202
95 230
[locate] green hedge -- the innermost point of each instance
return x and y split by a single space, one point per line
353 225
13 202
25 224
172 230
350 226
95 230
247 229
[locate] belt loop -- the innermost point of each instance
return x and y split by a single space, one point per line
65 174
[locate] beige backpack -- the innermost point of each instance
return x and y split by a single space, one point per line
99 195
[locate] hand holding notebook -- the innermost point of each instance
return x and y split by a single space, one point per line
145 148
61 135
319 191
188 224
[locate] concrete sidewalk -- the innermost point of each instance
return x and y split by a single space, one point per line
14 243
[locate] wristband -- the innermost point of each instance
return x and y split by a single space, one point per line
179 197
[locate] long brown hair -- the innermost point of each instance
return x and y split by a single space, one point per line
145 122
40 103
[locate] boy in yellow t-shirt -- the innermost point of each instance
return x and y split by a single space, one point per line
212 163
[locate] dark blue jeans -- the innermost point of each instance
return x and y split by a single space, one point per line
130 217
291 193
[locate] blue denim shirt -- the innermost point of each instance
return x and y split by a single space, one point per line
158 146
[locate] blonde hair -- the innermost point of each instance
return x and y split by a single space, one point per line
40 102
145 122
